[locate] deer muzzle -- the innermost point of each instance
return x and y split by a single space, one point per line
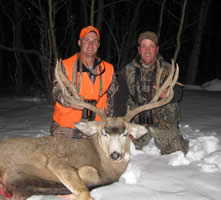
116 156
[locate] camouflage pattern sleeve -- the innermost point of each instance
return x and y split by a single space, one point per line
130 78
135 89
57 94
110 96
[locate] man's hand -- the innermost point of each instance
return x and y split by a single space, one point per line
68 102
163 93
76 107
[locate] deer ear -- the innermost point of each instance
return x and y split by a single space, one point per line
89 128
137 130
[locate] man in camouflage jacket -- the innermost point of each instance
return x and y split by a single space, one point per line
141 77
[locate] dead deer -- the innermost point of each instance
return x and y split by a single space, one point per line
56 166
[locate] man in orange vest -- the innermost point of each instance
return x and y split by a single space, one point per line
96 83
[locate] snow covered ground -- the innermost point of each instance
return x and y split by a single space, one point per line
149 175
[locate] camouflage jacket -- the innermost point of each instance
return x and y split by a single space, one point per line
141 81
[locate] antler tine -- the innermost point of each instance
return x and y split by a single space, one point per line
168 84
69 91
65 84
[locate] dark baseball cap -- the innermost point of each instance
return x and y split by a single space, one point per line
148 35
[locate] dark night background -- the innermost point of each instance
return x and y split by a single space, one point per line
28 54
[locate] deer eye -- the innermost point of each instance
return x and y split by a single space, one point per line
104 133
125 133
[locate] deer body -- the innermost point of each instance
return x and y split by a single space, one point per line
51 165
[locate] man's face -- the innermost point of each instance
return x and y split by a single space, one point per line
89 44
148 51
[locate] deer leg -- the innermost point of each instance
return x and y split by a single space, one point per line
89 175
70 178
15 184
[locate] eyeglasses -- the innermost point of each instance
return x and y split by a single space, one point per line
87 41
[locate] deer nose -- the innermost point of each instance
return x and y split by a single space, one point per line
115 155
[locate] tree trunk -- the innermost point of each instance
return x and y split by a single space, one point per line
161 17
53 49
193 63
70 44
109 36
2 36
92 12
99 14
178 44
17 43
84 13
132 32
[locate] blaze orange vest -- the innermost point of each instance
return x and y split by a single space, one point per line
66 117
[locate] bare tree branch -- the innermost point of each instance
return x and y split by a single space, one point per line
13 49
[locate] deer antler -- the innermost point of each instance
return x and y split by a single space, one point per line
168 85
69 91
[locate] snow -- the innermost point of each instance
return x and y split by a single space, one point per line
149 175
